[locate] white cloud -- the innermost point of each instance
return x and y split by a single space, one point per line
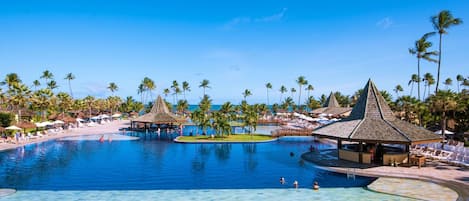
385 23
272 18
246 20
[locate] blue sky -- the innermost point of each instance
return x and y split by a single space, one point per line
237 45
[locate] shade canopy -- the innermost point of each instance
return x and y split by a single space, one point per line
160 114
58 122
13 128
447 132
332 107
371 120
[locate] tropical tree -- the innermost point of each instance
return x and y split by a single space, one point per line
36 84
11 80
460 79
268 86
176 90
52 85
113 87
47 75
301 81
442 103
398 89
250 117
408 106
421 52
312 103
166 92
414 79
65 102
113 102
283 90
182 106
41 100
441 22
204 84
323 99
205 104
149 86
448 82
293 91
185 87
89 101
246 93
309 88
429 80
70 77
19 96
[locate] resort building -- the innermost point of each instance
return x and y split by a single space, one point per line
372 134
332 108
158 117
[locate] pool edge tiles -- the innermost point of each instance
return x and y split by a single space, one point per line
208 194
412 188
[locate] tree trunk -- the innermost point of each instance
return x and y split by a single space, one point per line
443 128
439 64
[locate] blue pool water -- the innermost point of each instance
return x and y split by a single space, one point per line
150 164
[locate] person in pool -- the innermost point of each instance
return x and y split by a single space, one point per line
295 184
101 139
282 180
316 186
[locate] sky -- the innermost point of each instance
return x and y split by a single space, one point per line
337 45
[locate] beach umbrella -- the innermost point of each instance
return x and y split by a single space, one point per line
47 123
117 115
39 125
58 122
26 125
447 132
13 128
104 116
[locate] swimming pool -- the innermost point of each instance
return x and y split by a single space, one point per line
62 168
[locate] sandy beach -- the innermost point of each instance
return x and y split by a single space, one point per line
112 127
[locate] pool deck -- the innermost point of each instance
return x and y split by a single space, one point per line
112 127
455 178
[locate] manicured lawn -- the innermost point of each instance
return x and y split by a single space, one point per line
226 138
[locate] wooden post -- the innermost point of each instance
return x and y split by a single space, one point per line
360 152
339 146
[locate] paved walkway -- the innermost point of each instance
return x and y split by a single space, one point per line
112 127
456 178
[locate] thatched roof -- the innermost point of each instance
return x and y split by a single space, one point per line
159 114
332 107
371 120
25 125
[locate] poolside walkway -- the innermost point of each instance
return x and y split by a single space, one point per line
456 178
112 127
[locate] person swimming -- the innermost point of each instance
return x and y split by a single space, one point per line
295 184
316 186
101 139
282 180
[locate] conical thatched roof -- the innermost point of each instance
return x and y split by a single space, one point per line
159 114
372 120
332 107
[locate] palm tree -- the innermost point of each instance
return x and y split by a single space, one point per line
443 102
204 84
414 79
448 82
398 89
246 93
268 86
420 50
36 84
141 91
182 106
441 22
112 87
70 77
176 89
47 75
460 79
166 92
65 102
185 87
429 80
148 87
301 81
19 96
283 90
312 103
11 80
42 101
309 88
89 101
52 85
293 91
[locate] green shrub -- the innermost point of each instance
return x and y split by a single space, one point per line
6 119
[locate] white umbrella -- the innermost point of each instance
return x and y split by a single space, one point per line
47 123
104 116
446 132
39 124
58 122
117 115
13 128
80 119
